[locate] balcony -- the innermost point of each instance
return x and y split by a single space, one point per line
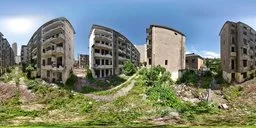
55 39
34 57
47 67
121 58
100 37
149 37
57 68
102 56
52 25
58 50
100 31
100 45
57 29
233 54
102 66
148 30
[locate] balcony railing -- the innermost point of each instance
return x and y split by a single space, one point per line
97 36
52 30
102 66
52 25
102 55
233 54
55 38
103 45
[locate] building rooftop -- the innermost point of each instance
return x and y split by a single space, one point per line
193 54
165 27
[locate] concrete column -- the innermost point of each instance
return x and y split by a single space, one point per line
100 73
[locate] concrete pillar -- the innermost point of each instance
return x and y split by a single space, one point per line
100 73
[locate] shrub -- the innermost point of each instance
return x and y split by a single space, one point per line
88 73
232 93
29 70
188 110
156 76
163 96
129 69
189 77
71 80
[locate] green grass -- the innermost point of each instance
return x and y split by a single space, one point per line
141 104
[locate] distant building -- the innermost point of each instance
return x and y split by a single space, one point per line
238 51
6 54
76 64
108 49
194 62
166 47
24 54
143 53
14 48
83 60
17 59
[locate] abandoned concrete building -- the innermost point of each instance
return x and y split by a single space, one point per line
51 50
166 47
108 49
83 60
238 51
7 58
194 61
143 54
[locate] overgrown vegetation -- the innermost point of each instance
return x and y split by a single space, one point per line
232 93
70 82
129 69
161 93
156 76
147 101
189 77
29 71
88 73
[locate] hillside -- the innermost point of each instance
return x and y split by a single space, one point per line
147 98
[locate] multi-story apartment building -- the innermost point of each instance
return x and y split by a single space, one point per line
238 51
108 49
6 54
24 54
14 48
166 47
143 53
83 60
51 50
194 62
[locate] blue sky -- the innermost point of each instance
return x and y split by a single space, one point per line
199 20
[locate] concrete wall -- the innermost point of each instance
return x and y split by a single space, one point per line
142 50
168 46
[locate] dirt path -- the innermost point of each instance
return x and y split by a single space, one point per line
108 98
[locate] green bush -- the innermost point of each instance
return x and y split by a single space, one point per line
32 84
156 76
189 111
189 77
29 70
163 96
88 73
71 80
129 69
231 93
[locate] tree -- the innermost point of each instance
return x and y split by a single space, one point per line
88 72
129 69
29 70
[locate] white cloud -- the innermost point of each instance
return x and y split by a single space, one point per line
209 54
20 28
